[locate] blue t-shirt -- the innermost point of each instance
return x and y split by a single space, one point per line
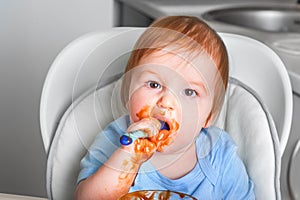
218 174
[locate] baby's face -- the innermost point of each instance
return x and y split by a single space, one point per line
170 88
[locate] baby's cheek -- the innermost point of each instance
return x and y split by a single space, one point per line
136 102
193 113
134 107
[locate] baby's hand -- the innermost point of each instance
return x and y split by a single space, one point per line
150 126
136 139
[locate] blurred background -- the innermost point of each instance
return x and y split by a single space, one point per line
33 32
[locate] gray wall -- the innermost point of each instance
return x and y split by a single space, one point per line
32 32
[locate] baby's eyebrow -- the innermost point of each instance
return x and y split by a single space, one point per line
148 75
200 85
147 72
150 71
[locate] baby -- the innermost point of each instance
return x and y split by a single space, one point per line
173 87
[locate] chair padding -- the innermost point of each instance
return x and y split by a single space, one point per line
251 126
243 116
86 117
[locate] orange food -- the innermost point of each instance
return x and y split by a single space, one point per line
155 194
160 140
144 113
144 146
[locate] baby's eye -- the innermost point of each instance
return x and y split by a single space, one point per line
190 92
153 84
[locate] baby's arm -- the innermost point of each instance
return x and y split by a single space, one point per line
115 177
111 180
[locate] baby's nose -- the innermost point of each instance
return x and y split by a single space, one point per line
167 101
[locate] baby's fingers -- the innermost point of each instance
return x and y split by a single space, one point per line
128 138
149 125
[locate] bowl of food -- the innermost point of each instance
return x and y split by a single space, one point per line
156 195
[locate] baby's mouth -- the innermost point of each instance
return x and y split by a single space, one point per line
170 125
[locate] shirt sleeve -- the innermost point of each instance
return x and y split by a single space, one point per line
235 181
105 143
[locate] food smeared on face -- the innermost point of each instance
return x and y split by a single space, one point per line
159 140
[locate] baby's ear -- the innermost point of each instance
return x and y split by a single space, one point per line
209 120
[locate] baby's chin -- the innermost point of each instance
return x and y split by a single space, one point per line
177 147
169 151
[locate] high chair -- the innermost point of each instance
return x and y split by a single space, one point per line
80 97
